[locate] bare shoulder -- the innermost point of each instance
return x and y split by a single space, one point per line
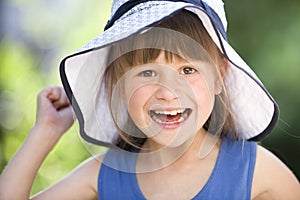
81 183
272 178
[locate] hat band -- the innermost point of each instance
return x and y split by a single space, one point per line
199 3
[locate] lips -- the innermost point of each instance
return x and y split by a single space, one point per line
170 117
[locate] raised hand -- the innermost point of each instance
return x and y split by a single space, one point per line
54 111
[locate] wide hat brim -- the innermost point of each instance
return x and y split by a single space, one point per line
255 110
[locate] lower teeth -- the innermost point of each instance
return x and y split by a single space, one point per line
181 119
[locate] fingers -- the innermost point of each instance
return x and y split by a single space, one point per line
54 110
54 95
58 98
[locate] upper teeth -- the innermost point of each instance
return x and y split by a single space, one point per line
169 112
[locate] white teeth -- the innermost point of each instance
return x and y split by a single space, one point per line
156 116
171 112
181 119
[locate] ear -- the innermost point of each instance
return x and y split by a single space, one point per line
218 86
222 64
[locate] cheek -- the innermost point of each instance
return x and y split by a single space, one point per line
137 103
203 90
204 99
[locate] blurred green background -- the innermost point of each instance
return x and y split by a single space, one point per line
36 34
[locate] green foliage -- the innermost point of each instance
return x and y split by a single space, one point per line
30 52
266 33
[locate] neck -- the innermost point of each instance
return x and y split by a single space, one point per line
155 156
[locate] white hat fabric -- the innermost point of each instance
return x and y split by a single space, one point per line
255 111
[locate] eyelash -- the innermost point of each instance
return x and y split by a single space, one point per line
183 70
146 73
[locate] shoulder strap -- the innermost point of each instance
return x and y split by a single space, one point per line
233 174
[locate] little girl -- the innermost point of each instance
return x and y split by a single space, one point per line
179 111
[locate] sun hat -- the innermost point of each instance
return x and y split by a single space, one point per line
255 111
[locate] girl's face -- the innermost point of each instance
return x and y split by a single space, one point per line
170 102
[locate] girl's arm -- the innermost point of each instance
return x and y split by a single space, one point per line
272 179
54 117
78 185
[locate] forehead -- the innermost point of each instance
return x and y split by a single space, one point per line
165 57
172 59
158 56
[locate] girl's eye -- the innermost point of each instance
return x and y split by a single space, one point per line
148 73
187 70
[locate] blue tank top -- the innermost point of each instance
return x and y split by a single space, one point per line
231 177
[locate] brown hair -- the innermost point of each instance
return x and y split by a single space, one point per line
184 22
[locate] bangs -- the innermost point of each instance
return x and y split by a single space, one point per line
146 47
174 45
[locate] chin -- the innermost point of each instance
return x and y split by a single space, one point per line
167 140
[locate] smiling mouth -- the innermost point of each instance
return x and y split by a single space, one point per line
170 117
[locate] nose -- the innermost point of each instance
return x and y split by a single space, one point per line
165 93
168 86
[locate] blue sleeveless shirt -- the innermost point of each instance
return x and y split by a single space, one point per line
231 177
